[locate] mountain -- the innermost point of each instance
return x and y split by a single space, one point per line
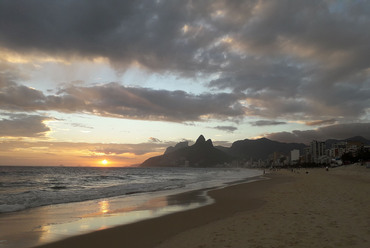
201 154
204 154
359 139
260 148
176 147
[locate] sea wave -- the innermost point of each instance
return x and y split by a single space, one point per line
30 187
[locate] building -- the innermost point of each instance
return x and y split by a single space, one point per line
307 155
338 149
277 159
317 152
294 156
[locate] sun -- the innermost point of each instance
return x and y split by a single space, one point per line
104 162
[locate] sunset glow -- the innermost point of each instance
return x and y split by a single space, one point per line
230 71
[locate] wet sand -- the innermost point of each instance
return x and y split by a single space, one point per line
292 209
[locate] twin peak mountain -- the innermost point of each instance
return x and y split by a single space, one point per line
204 154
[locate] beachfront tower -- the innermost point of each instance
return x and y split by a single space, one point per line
294 156
317 149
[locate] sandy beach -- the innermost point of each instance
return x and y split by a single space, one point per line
291 209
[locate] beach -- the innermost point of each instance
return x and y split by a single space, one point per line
287 209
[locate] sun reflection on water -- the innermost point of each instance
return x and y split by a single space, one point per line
104 206
104 214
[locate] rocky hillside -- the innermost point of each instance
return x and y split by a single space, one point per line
201 154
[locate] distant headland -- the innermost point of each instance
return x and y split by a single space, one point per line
262 153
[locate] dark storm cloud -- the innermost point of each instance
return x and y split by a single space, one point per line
147 32
267 123
338 131
125 102
301 60
304 59
17 125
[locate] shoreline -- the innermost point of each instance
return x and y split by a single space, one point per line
52 223
177 222
46 224
318 209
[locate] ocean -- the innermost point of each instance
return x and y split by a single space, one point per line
57 202
28 187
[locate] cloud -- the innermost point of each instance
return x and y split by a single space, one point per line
337 131
267 123
294 61
155 140
20 152
115 100
145 32
21 125
93 149
81 125
226 128
320 122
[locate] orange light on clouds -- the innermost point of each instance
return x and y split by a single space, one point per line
41 153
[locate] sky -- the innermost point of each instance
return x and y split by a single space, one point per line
86 80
